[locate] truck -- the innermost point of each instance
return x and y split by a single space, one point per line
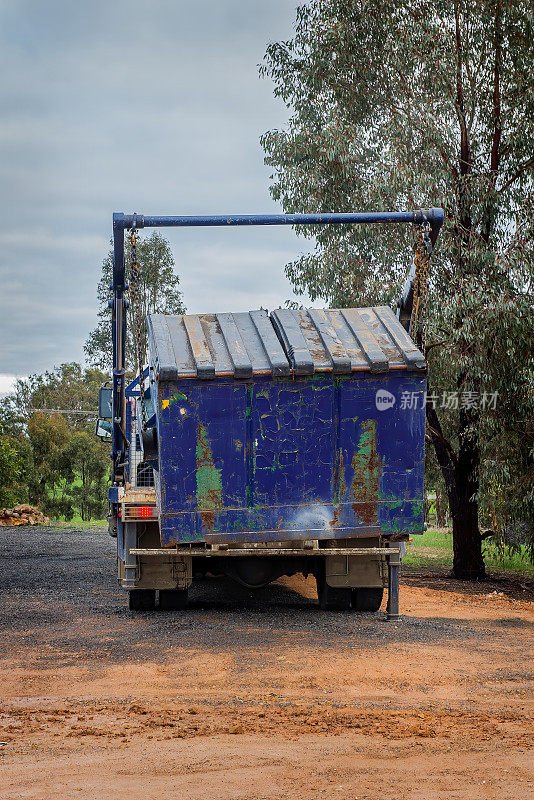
255 445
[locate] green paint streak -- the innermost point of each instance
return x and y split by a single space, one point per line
187 537
342 483
248 410
411 522
394 503
175 398
209 485
276 464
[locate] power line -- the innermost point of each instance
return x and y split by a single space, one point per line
63 411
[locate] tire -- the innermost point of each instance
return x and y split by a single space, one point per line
142 599
367 599
332 598
172 599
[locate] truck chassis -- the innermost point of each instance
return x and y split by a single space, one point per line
347 576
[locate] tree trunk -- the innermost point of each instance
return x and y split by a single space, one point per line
467 543
441 509
468 563
460 472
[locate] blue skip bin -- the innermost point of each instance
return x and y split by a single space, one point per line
295 425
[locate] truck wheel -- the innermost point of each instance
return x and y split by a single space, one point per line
172 599
367 599
142 599
332 598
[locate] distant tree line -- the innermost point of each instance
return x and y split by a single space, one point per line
49 454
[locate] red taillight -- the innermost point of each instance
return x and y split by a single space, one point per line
140 512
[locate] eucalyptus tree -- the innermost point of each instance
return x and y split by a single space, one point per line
409 104
69 389
159 291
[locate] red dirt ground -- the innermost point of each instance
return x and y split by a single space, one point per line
437 715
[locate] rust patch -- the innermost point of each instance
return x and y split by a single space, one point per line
208 520
367 512
340 488
367 469
335 522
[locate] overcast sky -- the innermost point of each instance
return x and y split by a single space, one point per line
131 106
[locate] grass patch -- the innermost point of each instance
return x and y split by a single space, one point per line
434 549
495 558
78 522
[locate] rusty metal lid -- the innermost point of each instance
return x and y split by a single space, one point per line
288 342
208 345
345 340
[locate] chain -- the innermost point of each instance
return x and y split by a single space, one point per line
135 279
423 248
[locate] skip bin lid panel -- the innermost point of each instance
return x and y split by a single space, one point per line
345 340
215 345
299 342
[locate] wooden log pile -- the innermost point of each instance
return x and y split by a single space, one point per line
22 515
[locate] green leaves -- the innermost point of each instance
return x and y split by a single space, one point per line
48 451
160 294
11 472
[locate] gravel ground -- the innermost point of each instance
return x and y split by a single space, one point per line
60 573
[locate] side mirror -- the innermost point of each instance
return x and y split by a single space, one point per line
105 402
104 429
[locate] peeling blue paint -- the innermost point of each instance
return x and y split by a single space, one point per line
318 459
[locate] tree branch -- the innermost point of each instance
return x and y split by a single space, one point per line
465 150
445 443
445 455
430 347
497 130
527 165
495 155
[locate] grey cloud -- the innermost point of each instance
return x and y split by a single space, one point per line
126 106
